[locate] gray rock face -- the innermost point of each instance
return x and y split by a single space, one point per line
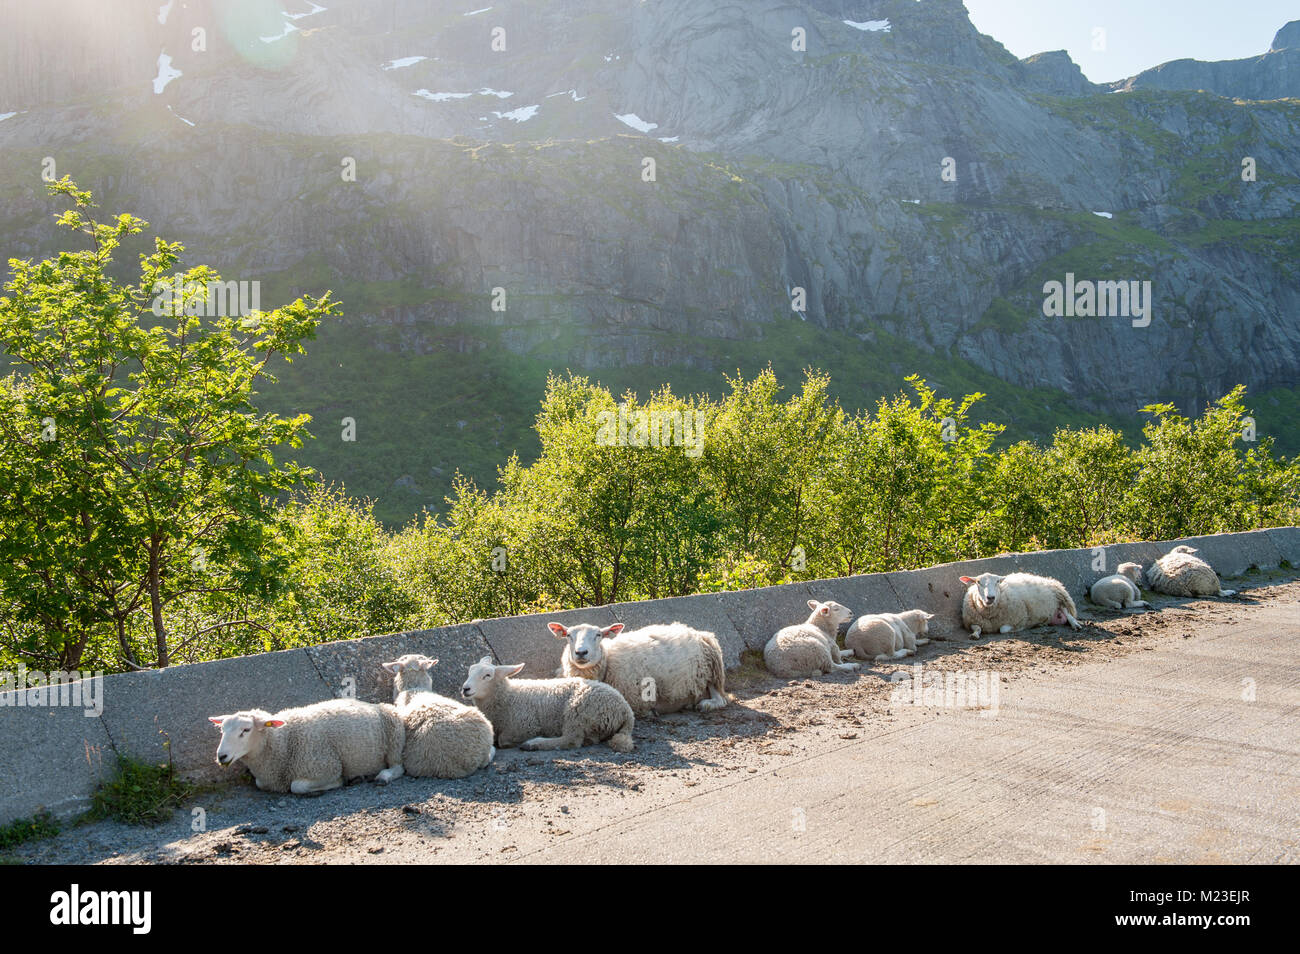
1057 74
1287 38
1274 75
917 180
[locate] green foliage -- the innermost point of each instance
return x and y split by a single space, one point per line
158 526
135 470
40 825
139 793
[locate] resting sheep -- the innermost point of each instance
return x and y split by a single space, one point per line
1120 590
549 713
1007 604
444 739
314 748
1180 573
886 636
657 669
809 648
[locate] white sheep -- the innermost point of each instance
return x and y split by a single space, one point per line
444 739
658 669
809 648
549 713
1180 573
882 637
1007 604
1121 589
314 748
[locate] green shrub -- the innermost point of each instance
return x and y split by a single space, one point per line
139 793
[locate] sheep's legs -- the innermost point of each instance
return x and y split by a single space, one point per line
845 654
716 700
542 743
308 786
388 774
847 667
1110 604
1227 592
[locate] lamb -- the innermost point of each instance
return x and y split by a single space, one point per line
1018 601
314 748
1180 573
1120 590
444 739
809 648
549 713
657 669
888 636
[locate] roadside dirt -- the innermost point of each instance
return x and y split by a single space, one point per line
525 799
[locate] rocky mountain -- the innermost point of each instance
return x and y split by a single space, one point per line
649 185
1274 75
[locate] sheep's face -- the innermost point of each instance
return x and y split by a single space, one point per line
483 678
985 587
241 733
1132 570
830 613
1183 548
585 649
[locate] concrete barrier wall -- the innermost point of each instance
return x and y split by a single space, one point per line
53 757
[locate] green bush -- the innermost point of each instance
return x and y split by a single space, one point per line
139 793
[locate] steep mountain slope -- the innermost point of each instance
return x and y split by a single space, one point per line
775 169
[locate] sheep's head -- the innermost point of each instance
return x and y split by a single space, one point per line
985 587
830 614
411 672
918 621
242 733
1183 548
483 678
1132 570
584 641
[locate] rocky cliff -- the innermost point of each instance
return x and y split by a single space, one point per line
919 182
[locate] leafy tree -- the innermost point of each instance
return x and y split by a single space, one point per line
133 461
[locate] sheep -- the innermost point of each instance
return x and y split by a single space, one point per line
1180 573
1120 590
1018 601
549 713
887 636
444 739
809 648
657 669
314 748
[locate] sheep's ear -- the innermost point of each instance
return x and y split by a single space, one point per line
928 615
511 670
826 611
612 630
968 580
273 723
217 720
393 667
812 604
485 661
558 630
427 664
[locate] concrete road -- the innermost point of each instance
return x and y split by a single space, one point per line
1189 752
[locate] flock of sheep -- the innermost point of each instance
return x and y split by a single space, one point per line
604 683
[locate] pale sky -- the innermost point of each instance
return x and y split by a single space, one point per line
1139 34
